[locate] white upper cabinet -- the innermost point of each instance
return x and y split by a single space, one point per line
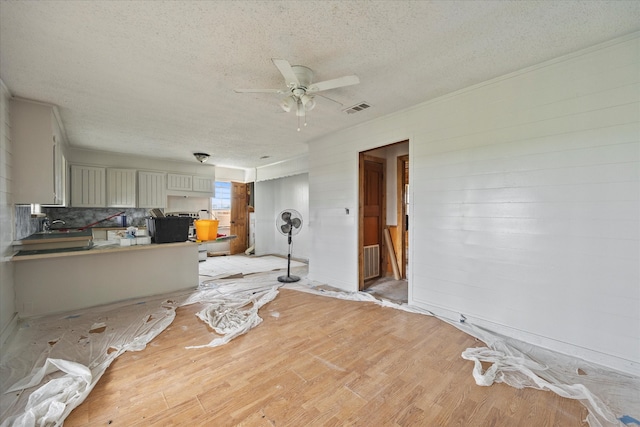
182 182
88 187
179 182
39 166
152 189
203 184
121 188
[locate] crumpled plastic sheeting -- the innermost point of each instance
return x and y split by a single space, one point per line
48 403
53 362
227 311
305 285
233 304
84 343
221 267
607 394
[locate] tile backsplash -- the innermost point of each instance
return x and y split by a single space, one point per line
25 225
81 217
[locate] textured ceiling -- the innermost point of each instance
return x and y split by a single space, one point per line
158 78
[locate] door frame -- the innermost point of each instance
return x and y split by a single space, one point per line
401 241
362 157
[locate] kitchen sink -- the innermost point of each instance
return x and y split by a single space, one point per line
53 251
55 241
65 232
62 230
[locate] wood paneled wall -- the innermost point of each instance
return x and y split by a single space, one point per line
272 197
525 200
7 294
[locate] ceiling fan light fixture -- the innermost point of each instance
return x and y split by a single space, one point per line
287 103
308 102
201 157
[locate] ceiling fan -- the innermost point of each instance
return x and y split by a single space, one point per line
300 87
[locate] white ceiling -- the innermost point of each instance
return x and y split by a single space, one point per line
158 78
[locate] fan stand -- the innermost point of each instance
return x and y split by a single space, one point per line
288 278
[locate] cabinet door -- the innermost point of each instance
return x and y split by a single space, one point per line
59 172
179 182
121 188
152 191
37 146
203 184
88 188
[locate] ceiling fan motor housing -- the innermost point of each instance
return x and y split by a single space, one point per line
304 75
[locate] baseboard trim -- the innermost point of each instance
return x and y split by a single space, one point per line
593 356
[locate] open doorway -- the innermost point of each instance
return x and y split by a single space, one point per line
383 220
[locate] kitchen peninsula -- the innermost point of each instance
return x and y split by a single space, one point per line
59 282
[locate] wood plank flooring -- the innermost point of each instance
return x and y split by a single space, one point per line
314 361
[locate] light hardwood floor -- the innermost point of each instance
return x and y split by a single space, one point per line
314 361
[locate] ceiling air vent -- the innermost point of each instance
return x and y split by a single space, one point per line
357 108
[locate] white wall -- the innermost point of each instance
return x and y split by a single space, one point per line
272 197
231 174
288 167
525 203
7 295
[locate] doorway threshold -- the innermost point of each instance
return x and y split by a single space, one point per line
388 288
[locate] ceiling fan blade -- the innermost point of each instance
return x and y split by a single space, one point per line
330 99
296 222
258 91
335 83
287 72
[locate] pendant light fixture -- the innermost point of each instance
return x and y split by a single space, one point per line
201 157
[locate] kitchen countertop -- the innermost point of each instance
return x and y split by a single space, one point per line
101 247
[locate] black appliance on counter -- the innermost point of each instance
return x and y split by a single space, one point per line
192 216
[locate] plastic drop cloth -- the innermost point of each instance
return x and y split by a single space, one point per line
611 397
76 349
54 362
231 310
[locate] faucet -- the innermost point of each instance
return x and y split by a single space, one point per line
57 221
46 224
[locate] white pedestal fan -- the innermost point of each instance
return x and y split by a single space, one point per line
289 223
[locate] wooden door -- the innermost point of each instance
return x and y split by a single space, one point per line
239 217
373 205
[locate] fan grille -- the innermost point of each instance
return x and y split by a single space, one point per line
289 221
